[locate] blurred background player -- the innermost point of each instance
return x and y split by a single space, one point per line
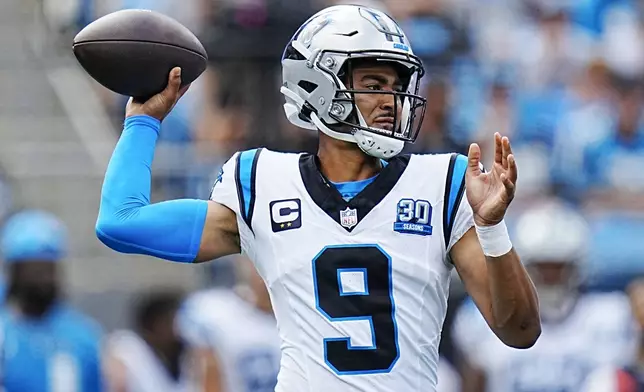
237 327
47 346
581 331
152 356
629 378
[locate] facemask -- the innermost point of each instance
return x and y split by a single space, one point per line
555 302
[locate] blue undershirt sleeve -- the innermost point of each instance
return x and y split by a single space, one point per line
127 222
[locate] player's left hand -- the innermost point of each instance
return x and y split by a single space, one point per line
490 193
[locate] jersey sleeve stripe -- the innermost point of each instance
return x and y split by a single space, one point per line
245 176
454 190
253 181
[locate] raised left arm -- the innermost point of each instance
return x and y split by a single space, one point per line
501 289
484 257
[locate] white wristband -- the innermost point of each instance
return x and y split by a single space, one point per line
494 240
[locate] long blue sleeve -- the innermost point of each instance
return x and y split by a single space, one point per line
127 222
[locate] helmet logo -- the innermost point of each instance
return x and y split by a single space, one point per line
384 24
310 31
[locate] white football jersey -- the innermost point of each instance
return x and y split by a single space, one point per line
599 331
145 372
359 288
243 337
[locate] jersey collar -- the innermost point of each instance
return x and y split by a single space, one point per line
327 197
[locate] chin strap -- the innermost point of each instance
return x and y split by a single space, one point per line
377 145
336 135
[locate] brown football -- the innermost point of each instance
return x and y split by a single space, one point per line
131 52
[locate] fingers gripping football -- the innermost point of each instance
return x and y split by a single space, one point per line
159 105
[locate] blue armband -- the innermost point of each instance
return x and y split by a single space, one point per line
127 222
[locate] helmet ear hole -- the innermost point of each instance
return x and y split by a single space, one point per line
307 86
290 53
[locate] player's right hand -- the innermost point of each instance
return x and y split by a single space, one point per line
160 105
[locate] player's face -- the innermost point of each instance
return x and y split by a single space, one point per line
554 282
551 273
163 333
378 110
35 284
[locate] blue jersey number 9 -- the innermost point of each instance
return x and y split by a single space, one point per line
355 283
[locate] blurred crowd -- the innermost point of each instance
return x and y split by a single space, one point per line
562 78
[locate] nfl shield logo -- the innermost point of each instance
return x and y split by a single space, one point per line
349 218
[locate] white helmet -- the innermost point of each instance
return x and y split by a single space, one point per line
552 240
319 56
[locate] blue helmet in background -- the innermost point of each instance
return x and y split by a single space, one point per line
33 235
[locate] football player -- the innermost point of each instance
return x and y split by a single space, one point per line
581 331
46 344
356 243
629 377
236 330
152 356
